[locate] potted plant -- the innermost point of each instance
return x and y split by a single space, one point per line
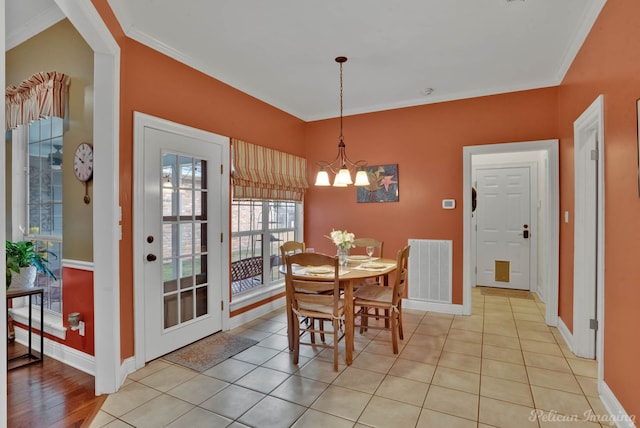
24 260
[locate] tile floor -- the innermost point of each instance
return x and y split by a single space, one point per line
501 366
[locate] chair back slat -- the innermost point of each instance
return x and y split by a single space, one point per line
401 275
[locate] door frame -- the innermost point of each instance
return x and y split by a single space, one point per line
551 236
140 121
581 340
533 218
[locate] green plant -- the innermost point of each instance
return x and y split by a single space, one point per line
23 254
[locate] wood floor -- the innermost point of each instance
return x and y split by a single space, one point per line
49 394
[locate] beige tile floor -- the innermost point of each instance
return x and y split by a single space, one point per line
500 367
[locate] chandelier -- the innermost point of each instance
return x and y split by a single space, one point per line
342 166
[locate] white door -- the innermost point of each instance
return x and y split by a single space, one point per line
504 227
182 245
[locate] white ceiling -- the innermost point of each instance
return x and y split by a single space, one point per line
282 51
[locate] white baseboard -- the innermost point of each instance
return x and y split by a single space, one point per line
127 367
69 356
565 333
255 313
618 415
445 308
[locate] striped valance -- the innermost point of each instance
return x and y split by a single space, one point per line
43 94
262 173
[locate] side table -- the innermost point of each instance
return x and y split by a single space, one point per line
30 357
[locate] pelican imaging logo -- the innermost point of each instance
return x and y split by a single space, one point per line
588 415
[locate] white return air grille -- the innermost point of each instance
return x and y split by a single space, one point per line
430 270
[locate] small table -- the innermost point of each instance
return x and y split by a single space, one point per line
30 356
353 276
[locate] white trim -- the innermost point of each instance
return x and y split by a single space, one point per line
618 415
445 308
106 230
58 351
591 120
262 292
551 239
52 322
127 367
565 333
140 122
77 264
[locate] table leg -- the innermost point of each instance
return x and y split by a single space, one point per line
348 322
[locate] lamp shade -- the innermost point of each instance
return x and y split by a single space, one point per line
343 177
362 179
322 179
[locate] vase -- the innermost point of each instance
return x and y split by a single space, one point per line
343 256
23 280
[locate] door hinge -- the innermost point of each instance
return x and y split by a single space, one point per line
222 305
221 237
593 324
594 154
221 169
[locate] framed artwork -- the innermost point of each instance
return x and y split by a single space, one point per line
383 184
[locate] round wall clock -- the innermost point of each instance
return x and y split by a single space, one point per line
83 162
83 167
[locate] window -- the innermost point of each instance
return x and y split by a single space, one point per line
38 200
258 229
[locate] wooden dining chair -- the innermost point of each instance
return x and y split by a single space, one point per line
365 242
316 298
291 247
387 298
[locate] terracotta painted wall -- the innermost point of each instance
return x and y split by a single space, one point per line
154 84
78 297
426 142
609 64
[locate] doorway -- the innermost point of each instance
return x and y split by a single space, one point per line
588 264
548 236
180 270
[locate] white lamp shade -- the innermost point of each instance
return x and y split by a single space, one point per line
362 179
343 177
322 179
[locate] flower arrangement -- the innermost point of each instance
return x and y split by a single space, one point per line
342 239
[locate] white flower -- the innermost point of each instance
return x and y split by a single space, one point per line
342 238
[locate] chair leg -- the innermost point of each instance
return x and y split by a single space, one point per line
394 333
313 327
296 340
321 322
400 324
335 344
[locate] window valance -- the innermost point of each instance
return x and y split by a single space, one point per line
43 94
262 173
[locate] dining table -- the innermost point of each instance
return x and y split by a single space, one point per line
357 270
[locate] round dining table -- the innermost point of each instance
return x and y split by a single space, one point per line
354 273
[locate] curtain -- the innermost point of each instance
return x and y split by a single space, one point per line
43 94
262 173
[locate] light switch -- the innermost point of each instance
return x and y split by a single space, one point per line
566 216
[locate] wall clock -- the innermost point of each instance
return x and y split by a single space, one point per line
83 167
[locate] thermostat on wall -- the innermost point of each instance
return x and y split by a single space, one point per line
448 204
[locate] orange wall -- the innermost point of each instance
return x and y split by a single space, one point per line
157 85
609 64
426 142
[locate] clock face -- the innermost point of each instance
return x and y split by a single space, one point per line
83 162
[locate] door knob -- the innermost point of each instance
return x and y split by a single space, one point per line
151 257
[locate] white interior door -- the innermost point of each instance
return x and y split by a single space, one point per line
504 232
182 247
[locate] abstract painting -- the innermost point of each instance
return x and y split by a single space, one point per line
383 184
